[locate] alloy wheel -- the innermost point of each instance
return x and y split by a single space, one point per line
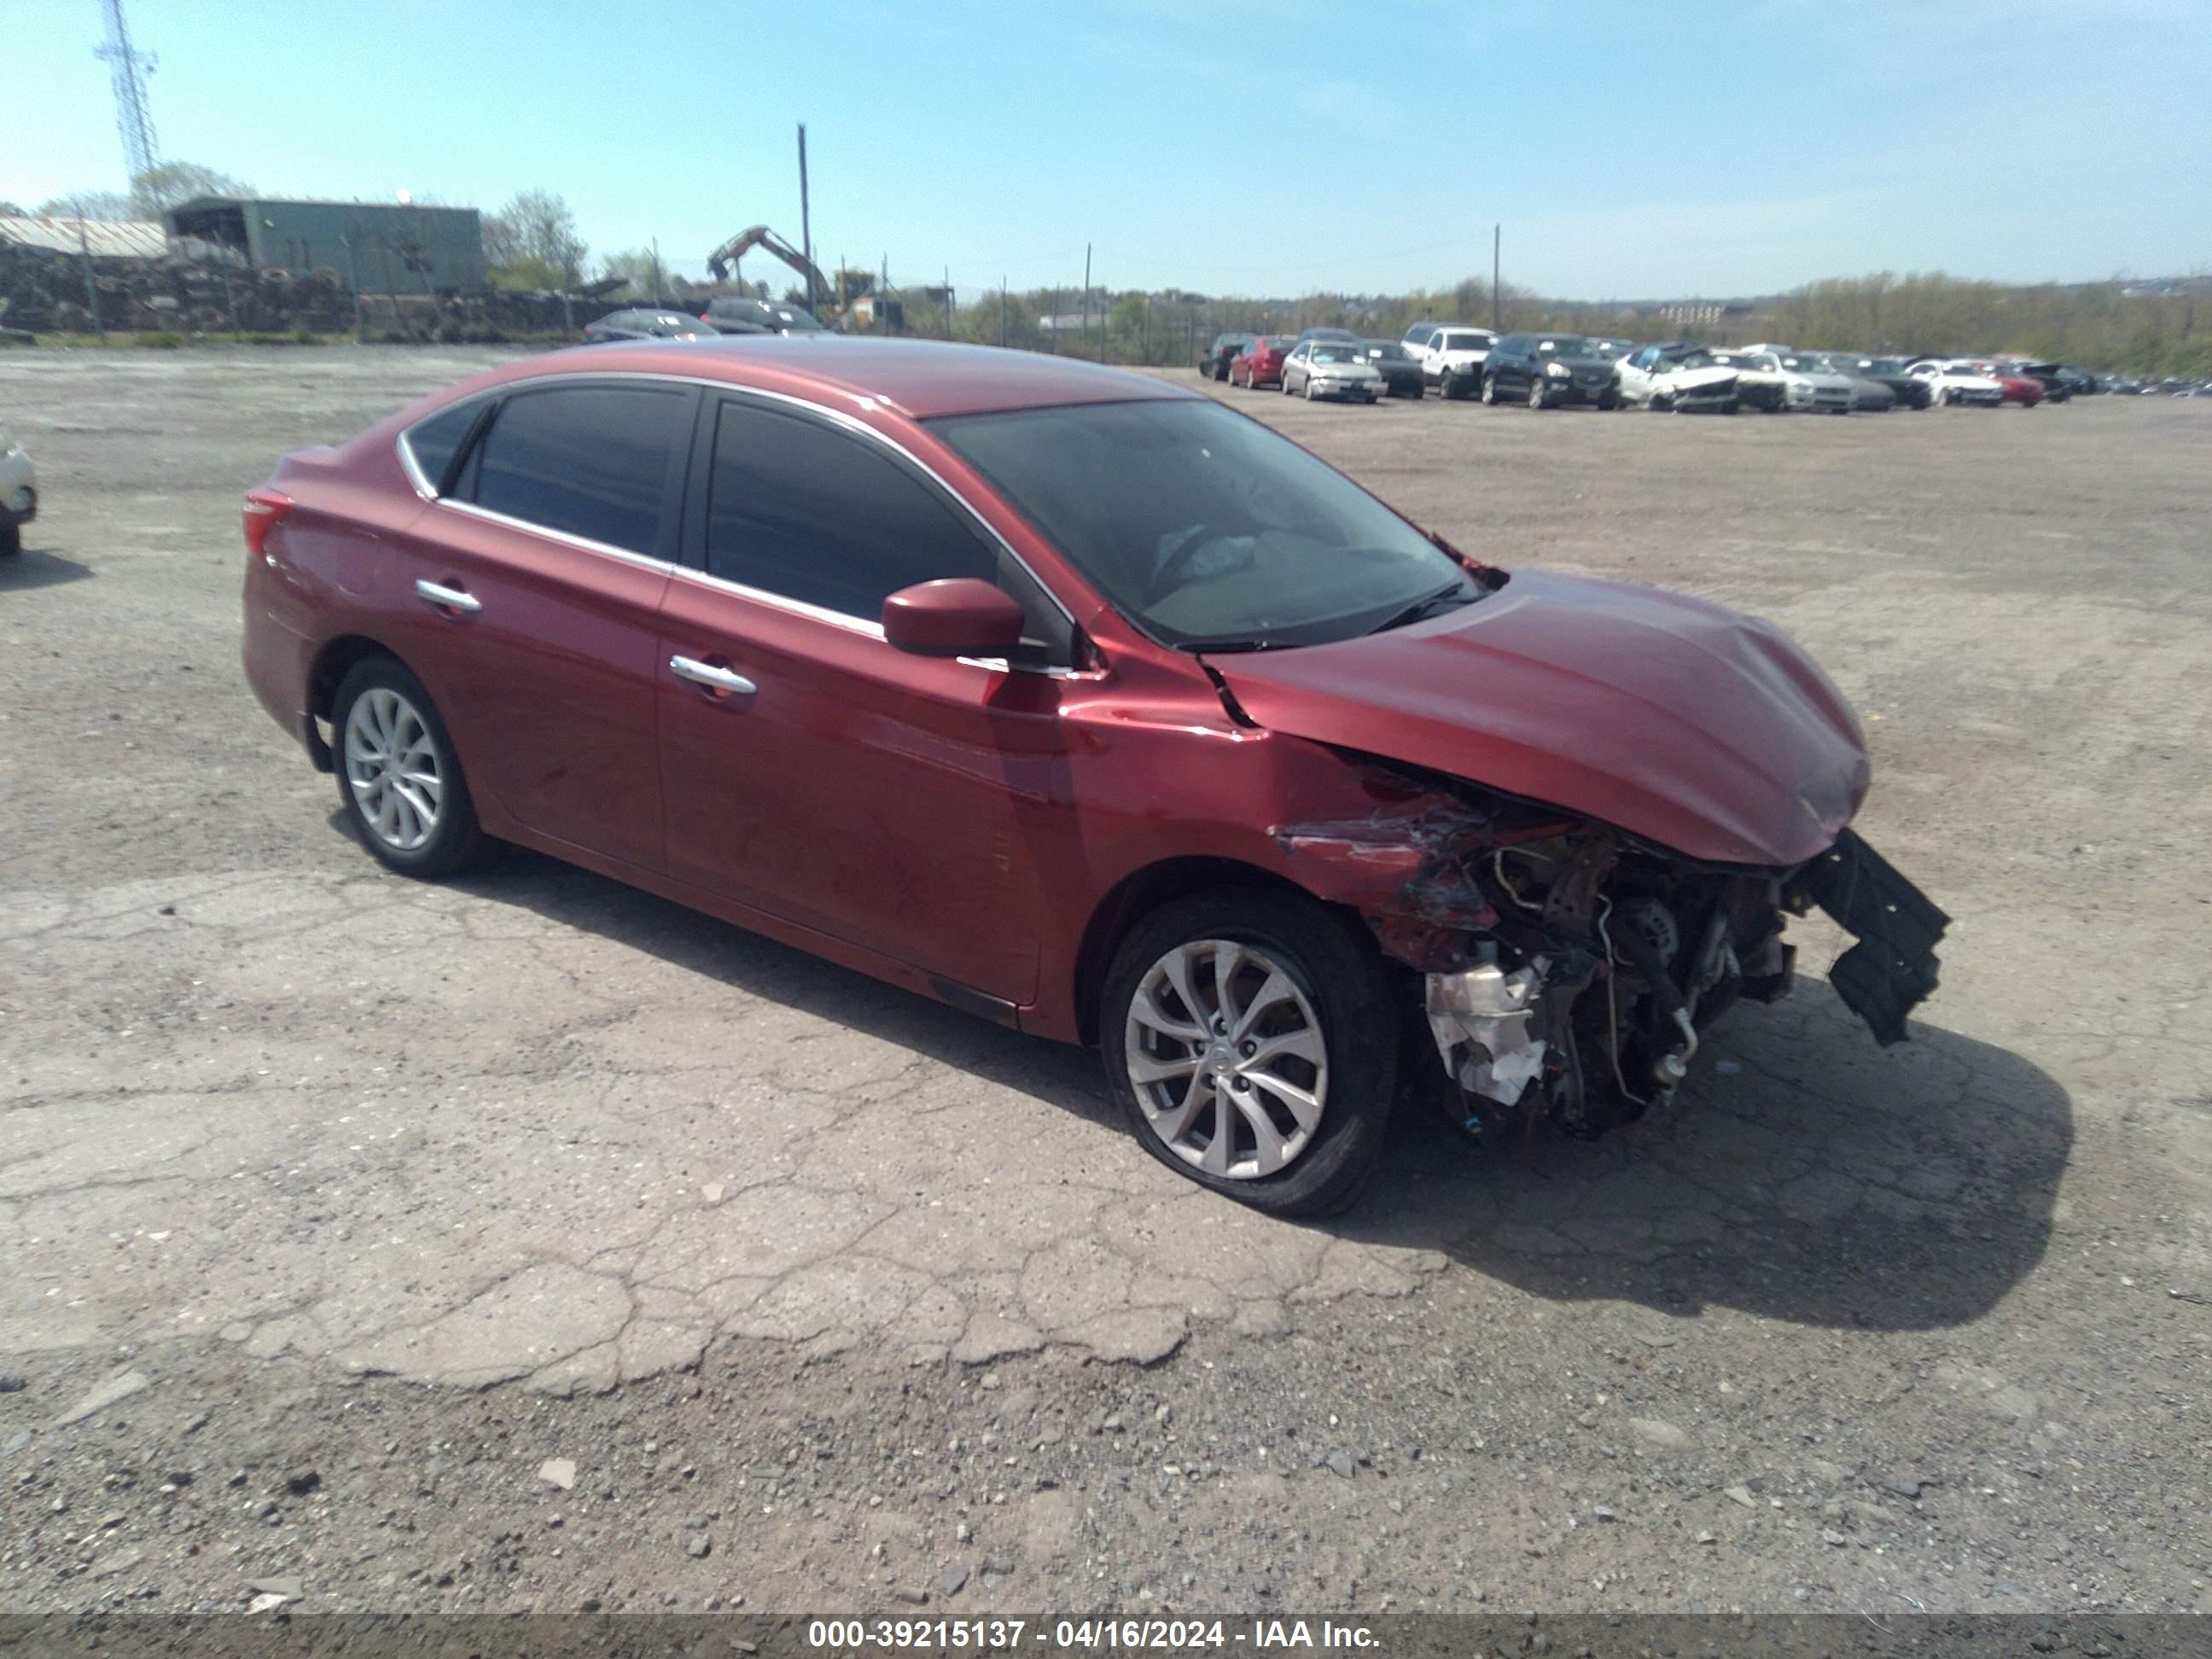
393 766
1227 1057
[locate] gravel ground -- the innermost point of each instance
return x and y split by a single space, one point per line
531 1243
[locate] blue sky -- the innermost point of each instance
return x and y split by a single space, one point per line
1646 149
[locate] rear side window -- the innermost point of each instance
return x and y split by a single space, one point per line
587 460
797 508
434 442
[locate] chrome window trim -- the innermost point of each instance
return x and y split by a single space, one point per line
762 596
781 602
568 538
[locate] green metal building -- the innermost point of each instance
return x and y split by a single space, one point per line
374 246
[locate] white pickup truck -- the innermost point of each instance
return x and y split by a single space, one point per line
1452 359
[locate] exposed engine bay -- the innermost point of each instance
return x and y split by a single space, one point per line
1568 968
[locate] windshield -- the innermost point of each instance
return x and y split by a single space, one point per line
1205 529
1461 342
1329 352
1883 364
1566 345
1696 358
1389 351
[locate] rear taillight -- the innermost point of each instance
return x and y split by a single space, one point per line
264 511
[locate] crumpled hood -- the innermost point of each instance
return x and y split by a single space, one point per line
1693 379
1711 733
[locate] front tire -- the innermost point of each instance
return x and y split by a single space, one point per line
11 535
1490 390
1536 393
397 775
1247 1037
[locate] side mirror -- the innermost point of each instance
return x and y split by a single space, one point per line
958 617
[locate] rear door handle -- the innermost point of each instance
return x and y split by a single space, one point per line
706 674
451 599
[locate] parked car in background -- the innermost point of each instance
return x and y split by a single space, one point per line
2058 387
1454 358
2021 389
1261 363
734 313
1307 803
1343 334
1331 369
1910 391
1756 386
19 492
1869 395
1214 364
1547 370
1416 339
1604 345
1808 385
1957 380
1400 371
647 324
1677 375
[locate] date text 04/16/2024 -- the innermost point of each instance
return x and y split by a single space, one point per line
1085 1635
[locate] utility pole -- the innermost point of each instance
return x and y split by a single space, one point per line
1002 309
1496 244
656 270
91 290
806 223
884 299
948 302
1086 294
353 281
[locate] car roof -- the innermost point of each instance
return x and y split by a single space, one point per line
919 379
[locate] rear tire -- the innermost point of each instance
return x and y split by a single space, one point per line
398 777
1331 981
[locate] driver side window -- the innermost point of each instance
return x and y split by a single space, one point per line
799 508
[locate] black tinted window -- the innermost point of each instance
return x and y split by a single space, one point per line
433 443
591 461
801 510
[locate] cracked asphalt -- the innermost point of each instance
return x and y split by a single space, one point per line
315 1171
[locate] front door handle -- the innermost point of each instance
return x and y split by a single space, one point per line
450 599
706 674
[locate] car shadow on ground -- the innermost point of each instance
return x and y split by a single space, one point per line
32 568
1803 1174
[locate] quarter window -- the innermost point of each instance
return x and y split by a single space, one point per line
433 443
587 460
797 508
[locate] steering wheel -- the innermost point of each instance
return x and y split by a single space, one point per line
1174 573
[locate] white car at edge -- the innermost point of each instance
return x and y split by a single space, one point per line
19 492
1956 381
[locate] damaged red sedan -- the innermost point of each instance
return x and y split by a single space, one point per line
1086 704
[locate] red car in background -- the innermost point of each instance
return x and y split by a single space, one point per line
1260 363
2021 389
1084 703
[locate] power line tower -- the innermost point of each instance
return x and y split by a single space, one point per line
130 67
